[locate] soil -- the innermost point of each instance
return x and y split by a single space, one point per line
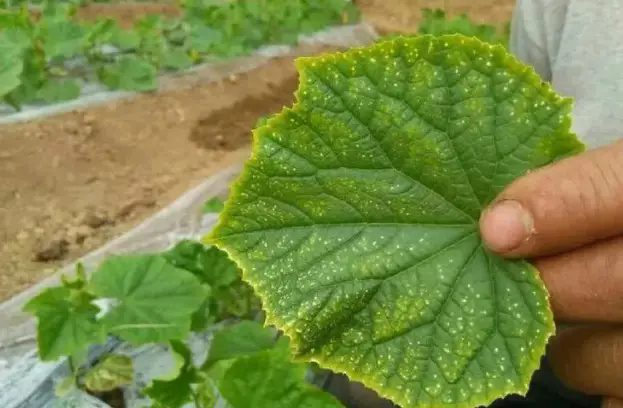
209 133
71 182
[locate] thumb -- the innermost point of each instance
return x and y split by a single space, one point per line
570 203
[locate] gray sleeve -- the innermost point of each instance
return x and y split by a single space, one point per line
528 39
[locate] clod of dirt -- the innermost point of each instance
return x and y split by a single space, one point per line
94 219
218 132
88 119
52 250
79 233
132 205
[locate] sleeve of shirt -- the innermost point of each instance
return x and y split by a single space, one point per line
528 37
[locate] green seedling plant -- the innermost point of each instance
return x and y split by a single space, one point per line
436 22
48 59
356 218
160 299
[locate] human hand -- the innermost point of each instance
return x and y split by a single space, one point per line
568 218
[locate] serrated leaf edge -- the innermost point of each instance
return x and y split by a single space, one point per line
271 319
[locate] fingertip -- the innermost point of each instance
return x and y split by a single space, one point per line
505 226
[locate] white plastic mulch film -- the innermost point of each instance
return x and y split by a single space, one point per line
26 382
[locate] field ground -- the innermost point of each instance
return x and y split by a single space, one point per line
71 182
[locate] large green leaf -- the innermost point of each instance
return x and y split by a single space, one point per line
153 300
11 64
59 90
61 37
271 380
356 218
243 339
66 322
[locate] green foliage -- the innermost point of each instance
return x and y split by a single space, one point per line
271 380
113 371
436 22
213 205
130 73
243 339
175 392
248 366
356 218
11 65
37 63
67 321
230 296
153 300
58 90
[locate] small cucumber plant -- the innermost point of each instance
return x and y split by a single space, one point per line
161 298
356 218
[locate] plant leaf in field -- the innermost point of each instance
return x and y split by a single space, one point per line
66 322
209 264
176 58
154 300
61 37
129 73
114 371
213 205
356 218
271 380
176 392
124 39
244 338
11 64
435 22
58 90
202 38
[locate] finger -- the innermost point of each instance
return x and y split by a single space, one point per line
612 403
590 360
562 206
586 285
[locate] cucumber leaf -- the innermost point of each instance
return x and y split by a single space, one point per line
242 339
175 392
129 73
209 264
271 380
59 90
114 371
62 37
66 322
153 300
11 64
356 218
176 58
124 39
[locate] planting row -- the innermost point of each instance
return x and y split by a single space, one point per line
49 57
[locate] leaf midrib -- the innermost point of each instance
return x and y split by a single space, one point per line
222 236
